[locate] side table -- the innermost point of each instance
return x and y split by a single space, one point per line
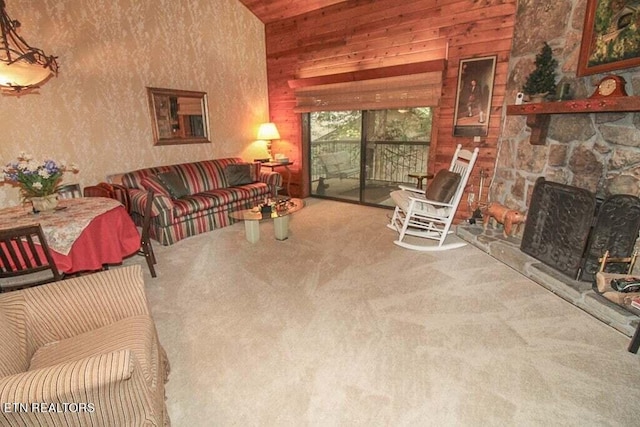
420 176
274 165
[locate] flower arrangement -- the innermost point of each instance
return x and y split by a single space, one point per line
36 178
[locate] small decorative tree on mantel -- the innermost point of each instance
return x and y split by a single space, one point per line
542 80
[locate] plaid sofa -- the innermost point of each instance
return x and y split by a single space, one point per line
82 352
208 203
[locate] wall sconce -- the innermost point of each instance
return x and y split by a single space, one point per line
22 68
268 132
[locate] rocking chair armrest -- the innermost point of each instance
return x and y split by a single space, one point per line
412 189
431 202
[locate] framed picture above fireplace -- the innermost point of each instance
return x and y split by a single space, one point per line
473 98
610 39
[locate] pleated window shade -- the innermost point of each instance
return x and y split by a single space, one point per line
413 90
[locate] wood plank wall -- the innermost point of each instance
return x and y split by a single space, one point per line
365 34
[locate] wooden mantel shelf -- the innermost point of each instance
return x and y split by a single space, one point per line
624 103
538 113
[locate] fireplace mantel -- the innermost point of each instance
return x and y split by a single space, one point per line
538 114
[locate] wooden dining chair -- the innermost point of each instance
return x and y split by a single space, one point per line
22 264
69 191
121 193
112 191
101 189
146 249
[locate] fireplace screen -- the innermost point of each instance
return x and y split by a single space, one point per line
558 223
567 230
615 230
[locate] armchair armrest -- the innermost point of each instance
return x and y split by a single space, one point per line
412 189
71 307
430 202
162 208
96 390
271 178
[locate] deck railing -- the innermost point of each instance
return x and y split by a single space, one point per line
386 161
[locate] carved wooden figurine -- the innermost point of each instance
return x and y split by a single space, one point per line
509 218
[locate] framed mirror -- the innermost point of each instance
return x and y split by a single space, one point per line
178 116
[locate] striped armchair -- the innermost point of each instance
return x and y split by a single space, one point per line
81 352
208 200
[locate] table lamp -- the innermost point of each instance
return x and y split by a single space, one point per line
268 132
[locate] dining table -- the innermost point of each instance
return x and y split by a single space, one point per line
83 234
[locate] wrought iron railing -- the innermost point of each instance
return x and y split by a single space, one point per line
386 161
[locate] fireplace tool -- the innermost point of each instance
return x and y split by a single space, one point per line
471 199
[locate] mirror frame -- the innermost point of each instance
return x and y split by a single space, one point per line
155 113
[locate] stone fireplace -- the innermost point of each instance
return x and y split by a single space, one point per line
596 152
599 152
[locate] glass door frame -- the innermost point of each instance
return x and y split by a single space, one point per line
366 116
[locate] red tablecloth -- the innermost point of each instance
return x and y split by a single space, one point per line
108 239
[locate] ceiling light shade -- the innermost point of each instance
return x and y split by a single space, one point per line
22 68
268 132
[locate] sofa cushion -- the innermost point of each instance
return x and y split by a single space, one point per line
191 204
443 186
220 197
238 174
255 171
134 179
13 353
402 199
174 184
204 175
136 333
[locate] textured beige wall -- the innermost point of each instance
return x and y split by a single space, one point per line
95 112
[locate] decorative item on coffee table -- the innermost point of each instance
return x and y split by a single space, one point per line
278 205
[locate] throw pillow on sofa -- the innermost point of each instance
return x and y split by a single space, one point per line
238 174
152 182
443 186
174 184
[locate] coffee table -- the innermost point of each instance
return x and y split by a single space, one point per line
280 217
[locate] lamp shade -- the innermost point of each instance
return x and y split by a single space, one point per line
268 132
23 74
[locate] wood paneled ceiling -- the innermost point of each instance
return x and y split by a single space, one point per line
274 10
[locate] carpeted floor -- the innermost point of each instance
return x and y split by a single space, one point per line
372 194
337 326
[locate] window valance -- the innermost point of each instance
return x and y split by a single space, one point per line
415 85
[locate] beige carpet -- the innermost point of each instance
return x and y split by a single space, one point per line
337 326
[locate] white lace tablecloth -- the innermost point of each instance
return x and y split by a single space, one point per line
63 226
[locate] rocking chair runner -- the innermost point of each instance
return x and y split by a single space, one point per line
429 213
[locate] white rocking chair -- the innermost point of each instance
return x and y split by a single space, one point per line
419 216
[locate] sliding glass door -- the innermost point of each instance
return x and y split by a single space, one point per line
362 156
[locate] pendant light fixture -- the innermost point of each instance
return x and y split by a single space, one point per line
22 68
